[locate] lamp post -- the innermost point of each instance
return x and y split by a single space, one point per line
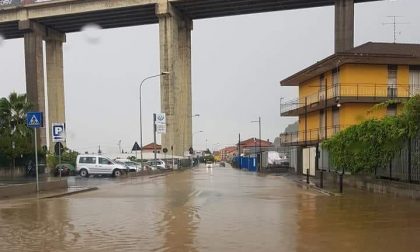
200 131
14 158
184 135
197 132
259 136
141 127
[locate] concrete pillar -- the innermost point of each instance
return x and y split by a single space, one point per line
175 57
55 80
34 64
344 25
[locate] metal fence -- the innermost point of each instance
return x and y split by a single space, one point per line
405 166
310 136
355 90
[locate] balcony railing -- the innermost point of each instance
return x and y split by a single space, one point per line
357 92
311 136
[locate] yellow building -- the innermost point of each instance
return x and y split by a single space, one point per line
340 90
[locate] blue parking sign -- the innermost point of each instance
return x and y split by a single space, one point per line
34 120
58 132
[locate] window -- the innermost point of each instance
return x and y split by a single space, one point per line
104 161
392 80
321 82
414 80
322 115
336 119
322 86
391 110
336 84
87 160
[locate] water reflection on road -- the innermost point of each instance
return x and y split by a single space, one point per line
217 209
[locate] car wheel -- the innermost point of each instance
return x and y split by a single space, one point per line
84 173
117 173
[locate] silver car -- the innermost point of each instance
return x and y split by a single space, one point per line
98 165
160 164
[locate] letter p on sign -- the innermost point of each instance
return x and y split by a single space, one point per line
58 132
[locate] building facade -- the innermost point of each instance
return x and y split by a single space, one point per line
342 89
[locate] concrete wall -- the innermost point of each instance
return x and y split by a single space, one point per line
10 172
23 189
371 184
295 159
364 74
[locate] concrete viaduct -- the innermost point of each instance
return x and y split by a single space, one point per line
49 20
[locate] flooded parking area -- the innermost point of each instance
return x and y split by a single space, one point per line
217 209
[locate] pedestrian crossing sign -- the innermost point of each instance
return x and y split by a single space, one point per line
34 119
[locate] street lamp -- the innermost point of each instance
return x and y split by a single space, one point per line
14 158
197 132
185 135
215 146
259 133
141 127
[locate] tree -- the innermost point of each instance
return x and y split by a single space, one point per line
16 137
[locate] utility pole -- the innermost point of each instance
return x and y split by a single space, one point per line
259 129
239 151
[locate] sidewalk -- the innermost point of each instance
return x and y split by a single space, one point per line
329 187
53 187
48 194
356 184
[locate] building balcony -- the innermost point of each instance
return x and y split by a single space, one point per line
346 93
309 137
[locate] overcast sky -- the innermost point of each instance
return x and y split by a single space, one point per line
237 63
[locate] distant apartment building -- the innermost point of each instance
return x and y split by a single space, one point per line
227 153
340 91
252 146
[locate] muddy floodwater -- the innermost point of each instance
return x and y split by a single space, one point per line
218 209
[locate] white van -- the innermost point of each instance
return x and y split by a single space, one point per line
97 164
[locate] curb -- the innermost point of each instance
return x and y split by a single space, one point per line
59 195
317 189
159 175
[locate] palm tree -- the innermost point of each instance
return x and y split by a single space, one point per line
13 113
15 135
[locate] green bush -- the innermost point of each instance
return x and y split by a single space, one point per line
372 143
67 157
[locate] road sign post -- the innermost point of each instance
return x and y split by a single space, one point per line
154 137
159 126
35 120
160 123
58 135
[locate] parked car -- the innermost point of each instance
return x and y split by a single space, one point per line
133 166
65 170
160 164
98 165
149 168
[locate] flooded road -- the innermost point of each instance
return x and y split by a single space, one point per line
219 209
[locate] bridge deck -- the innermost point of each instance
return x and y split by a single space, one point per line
67 16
